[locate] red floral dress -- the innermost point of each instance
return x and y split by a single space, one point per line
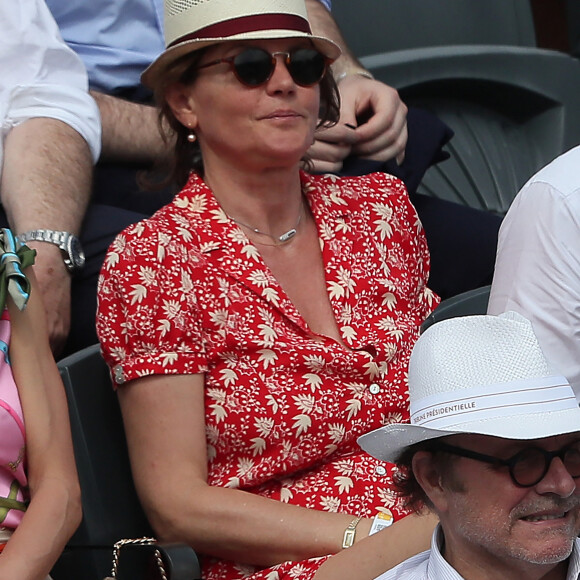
186 292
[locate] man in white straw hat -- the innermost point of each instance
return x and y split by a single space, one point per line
493 448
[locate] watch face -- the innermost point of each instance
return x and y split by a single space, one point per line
76 256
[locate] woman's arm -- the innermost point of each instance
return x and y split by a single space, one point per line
55 510
165 424
382 551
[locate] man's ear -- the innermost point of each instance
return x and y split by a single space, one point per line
428 476
182 104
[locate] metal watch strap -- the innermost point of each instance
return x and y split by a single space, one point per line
74 257
52 236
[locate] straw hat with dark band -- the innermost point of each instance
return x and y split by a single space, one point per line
194 24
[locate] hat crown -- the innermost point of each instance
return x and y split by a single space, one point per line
475 351
187 18
191 25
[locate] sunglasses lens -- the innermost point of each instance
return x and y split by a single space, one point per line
307 66
253 66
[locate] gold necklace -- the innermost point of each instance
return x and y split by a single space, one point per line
278 240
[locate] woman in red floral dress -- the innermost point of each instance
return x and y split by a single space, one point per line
263 320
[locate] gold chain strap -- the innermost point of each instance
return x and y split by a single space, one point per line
139 541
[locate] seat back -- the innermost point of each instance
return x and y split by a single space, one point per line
513 110
371 26
464 304
474 64
111 510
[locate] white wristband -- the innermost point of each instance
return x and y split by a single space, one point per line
382 520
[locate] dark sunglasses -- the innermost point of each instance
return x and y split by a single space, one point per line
528 466
254 66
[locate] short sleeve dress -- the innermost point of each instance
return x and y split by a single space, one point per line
186 292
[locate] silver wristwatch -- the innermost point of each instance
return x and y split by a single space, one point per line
73 255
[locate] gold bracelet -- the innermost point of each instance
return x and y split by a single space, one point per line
350 533
360 72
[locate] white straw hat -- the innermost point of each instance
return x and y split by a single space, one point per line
194 24
479 374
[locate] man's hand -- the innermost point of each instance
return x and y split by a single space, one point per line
373 119
331 147
54 283
379 115
373 125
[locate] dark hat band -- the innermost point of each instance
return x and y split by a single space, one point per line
245 24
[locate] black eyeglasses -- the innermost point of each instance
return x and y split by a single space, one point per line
254 66
528 466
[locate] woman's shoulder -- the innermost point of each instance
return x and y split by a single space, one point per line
355 190
181 213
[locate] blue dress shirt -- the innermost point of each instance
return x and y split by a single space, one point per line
116 39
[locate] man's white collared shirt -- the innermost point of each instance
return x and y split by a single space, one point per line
41 76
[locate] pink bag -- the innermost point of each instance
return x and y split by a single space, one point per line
13 482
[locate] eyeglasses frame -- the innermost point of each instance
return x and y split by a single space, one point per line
511 461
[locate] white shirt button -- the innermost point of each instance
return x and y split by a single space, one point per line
380 470
375 389
119 374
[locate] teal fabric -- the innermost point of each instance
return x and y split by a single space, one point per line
14 257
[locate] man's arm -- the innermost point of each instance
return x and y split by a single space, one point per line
50 136
130 131
373 107
46 184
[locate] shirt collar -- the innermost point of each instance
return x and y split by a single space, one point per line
439 568
574 562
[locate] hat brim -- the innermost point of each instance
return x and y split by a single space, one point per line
151 74
387 443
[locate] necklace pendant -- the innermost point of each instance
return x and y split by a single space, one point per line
287 236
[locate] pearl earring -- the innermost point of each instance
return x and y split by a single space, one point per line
192 137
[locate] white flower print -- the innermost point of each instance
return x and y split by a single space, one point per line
264 425
302 423
353 407
197 204
336 432
313 380
344 484
383 224
259 278
138 293
258 445
306 403
315 363
330 503
171 308
267 357
169 358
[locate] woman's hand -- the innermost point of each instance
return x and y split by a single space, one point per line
372 555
